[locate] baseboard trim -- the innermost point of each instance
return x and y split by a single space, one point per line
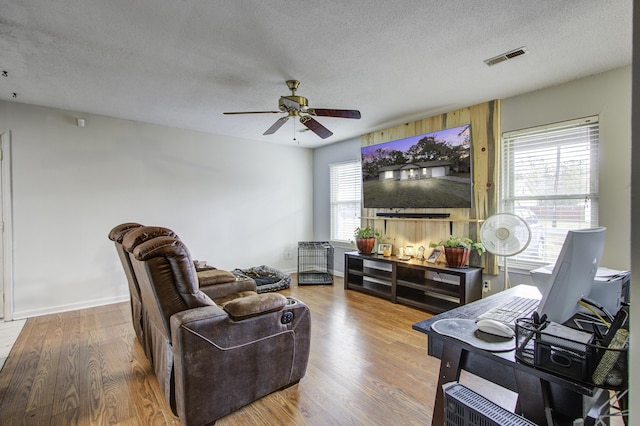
93 303
70 307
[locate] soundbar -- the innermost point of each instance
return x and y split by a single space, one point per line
415 215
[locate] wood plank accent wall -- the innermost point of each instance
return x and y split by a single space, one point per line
485 143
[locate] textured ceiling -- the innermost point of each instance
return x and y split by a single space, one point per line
181 63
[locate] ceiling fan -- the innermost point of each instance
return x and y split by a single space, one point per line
298 106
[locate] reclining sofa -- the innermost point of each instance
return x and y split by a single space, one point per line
211 355
217 284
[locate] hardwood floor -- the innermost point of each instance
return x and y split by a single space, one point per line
367 367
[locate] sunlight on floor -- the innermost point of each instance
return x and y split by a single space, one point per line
9 332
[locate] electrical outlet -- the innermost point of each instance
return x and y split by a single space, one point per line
486 286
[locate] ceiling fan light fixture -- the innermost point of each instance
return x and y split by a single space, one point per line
295 106
298 103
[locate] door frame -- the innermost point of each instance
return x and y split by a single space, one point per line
6 231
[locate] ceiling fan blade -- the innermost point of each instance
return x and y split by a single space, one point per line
340 113
271 130
315 127
254 112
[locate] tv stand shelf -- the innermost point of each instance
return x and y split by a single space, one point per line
431 287
430 219
449 220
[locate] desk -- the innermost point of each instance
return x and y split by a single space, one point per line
542 393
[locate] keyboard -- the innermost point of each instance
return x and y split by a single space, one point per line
512 309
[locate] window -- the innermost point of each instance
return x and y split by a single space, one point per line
345 185
550 179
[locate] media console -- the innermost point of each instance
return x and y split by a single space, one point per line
431 287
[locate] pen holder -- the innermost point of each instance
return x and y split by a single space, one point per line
588 362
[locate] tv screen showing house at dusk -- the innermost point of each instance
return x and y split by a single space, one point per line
426 171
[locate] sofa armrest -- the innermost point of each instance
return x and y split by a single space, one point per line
215 325
222 290
213 276
215 356
251 306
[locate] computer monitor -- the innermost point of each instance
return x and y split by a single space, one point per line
573 273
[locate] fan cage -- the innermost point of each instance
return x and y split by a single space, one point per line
515 224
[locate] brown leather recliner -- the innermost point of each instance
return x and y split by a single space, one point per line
212 359
117 235
217 284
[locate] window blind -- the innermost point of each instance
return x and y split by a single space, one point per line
550 179
345 196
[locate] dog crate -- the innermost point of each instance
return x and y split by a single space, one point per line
315 263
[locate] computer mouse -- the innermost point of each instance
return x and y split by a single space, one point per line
495 327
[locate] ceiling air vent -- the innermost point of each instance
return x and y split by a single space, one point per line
505 56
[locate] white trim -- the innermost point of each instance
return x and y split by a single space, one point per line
7 223
343 245
70 307
551 126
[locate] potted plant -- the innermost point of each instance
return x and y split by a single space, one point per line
365 239
457 250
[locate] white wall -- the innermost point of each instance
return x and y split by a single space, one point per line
348 150
607 95
235 203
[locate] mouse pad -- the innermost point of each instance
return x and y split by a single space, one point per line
467 331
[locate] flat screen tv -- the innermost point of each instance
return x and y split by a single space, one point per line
432 170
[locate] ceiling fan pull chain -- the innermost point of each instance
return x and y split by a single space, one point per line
294 132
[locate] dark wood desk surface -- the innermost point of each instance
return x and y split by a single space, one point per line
538 388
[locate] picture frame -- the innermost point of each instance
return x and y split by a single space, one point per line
435 254
383 247
420 254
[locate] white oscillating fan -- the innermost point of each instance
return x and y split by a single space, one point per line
505 234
